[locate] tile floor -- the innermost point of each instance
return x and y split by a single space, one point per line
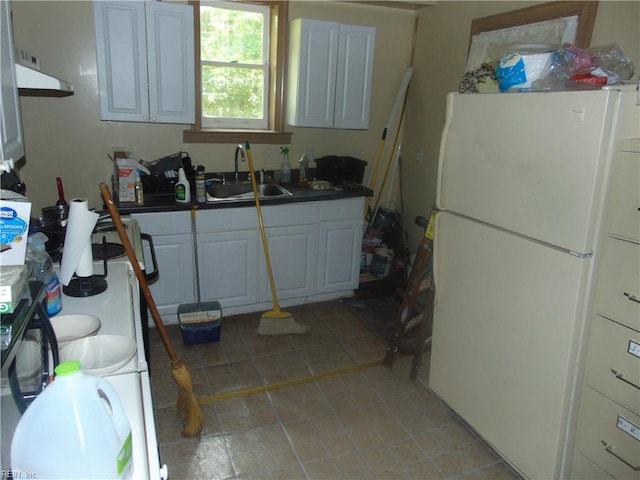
353 420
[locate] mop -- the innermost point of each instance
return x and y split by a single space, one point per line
276 321
190 313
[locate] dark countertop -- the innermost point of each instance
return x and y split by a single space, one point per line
167 203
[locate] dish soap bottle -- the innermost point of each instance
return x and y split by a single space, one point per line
182 188
285 168
41 269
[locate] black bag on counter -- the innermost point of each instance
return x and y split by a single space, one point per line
337 169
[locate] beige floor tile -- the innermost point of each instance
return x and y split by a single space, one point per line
299 403
244 413
281 367
260 449
327 358
355 421
232 377
352 466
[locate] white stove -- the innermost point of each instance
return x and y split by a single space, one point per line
105 231
119 311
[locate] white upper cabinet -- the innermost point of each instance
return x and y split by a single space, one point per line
330 72
11 146
145 55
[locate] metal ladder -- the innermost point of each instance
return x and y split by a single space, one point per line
416 309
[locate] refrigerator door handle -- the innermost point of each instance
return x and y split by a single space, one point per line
443 148
433 221
632 297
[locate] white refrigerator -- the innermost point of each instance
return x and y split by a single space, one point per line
522 185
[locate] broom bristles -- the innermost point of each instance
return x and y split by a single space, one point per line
277 322
187 404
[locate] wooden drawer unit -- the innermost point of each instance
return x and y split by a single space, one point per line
613 362
609 435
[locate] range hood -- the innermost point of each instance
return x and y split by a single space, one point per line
37 84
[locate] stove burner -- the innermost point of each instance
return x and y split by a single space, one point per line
106 225
108 250
85 286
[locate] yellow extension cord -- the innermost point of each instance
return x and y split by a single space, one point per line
288 383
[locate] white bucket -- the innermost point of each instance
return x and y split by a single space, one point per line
76 428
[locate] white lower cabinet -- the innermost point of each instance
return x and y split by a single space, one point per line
173 244
314 249
340 241
293 252
228 265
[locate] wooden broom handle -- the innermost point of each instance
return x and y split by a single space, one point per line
117 221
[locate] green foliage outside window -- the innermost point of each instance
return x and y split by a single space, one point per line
232 63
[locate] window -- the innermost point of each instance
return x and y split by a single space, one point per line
240 56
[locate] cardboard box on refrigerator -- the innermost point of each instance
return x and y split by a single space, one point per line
15 211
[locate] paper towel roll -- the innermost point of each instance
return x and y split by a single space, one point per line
76 253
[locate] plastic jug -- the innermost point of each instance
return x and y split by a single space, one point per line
76 428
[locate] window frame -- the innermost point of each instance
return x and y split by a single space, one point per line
276 133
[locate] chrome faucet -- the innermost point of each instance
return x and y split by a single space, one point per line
239 149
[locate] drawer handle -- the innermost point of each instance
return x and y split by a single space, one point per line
609 449
620 376
632 297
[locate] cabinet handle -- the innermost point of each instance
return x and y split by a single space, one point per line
632 297
620 376
609 449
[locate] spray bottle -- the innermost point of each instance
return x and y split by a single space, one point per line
40 268
182 188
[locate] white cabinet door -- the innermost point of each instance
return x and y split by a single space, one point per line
145 59
228 267
340 241
171 62
293 253
330 71
11 146
353 77
339 256
175 284
173 244
313 57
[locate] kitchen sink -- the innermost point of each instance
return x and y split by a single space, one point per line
240 191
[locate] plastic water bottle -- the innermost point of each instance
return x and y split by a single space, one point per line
41 268
285 169
76 428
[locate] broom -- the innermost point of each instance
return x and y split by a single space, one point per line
187 404
276 321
